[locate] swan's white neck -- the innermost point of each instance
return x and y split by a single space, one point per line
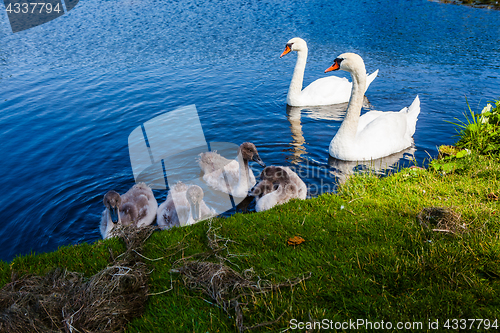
298 77
244 178
349 126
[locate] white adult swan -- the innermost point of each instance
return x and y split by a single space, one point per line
325 91
277 186
184 206
136 207
375 134
240 178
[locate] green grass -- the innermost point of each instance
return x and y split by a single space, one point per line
85 258
481 132
369 257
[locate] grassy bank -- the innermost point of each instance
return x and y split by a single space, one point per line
365 256
369 257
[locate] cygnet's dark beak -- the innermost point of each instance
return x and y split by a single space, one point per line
256 158
251 191
113 212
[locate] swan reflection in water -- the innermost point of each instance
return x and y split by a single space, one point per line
322 112
380 166
334 112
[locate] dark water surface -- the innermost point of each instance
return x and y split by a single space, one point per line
72 91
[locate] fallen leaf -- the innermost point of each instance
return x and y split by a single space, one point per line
295 240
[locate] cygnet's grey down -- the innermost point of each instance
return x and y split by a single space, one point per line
240 179
278 185
136 207
184 206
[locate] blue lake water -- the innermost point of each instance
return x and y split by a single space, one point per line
72 90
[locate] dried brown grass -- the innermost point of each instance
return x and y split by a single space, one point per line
225 286
441 219
63 301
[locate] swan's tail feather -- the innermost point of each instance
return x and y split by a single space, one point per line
370 78
413 111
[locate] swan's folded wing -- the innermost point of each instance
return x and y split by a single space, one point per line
384 135
326 91
411 114
224 179
367 118
211 162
